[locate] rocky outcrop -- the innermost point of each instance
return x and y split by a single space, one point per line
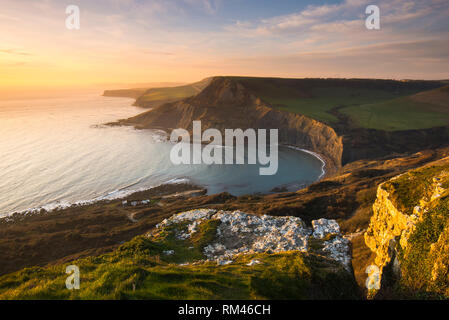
388 227
227 104
408 231
205 254
242 233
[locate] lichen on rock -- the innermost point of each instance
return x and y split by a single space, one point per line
242 233
322 227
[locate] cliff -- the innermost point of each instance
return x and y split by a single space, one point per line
322 115
125 93
155 97
226 103
409 232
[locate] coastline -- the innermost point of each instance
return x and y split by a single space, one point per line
111 196
122 193
316 155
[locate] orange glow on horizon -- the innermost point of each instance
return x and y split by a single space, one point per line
142 42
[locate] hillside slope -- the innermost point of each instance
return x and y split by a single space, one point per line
155 97
57 237
316 98
225 103
207 254
438 97
125 93
423 110
235 102
338 103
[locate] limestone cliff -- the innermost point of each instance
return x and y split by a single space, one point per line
409 230
226 103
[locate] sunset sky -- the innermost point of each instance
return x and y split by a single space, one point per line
138 41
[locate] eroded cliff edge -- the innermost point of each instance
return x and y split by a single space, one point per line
409 232
227 104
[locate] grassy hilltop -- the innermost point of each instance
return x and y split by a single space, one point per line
158 96
386 105
107 241
419 111
386 127
141 269
342 119
374 104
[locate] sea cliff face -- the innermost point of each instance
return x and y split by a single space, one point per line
409 231
239 102
227 104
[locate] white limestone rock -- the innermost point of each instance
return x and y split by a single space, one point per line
196 216
323 227
253 262
338 249
224 262
242 233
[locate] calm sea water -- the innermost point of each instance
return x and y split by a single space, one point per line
53 152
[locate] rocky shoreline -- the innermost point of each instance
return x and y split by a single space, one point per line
184 186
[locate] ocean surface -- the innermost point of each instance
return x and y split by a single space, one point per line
55 152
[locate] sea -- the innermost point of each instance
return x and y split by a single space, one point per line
57 152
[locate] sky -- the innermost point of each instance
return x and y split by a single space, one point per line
140 41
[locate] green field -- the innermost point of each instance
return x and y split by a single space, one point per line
324 99
378 104
426 109
387 105
398 114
